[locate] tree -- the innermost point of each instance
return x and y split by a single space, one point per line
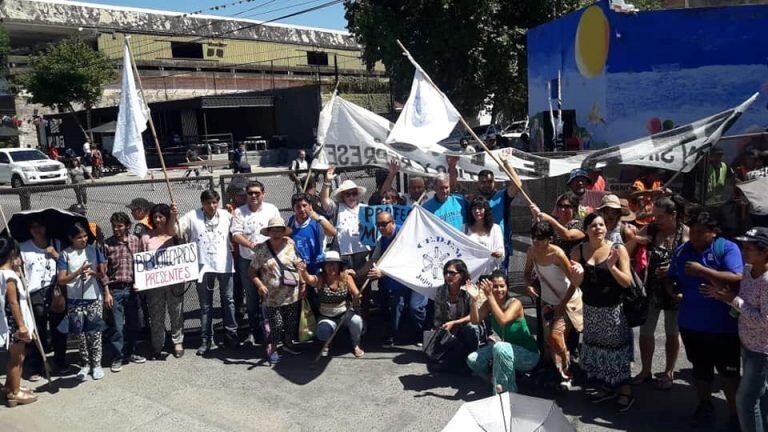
67 73
5 49
474 50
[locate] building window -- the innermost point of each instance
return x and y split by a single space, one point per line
186 50
317 58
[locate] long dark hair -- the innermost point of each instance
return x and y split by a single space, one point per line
488 220
461 267
163 209
7 249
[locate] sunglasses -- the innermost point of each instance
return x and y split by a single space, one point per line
254 193
450 273
350 193
383 224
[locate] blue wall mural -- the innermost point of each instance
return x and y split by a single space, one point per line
624 76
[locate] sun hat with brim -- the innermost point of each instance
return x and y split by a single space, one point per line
578 172
276 222
331 257
347 185
627 215
610 201
757 235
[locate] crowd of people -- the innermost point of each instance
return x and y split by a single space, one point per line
584 263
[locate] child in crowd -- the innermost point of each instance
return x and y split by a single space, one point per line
16 323
82 268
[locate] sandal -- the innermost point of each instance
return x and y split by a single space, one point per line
664 382
19 398
359 353
641 379
625 406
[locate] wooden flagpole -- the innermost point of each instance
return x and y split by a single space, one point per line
504 166
35 333
149 118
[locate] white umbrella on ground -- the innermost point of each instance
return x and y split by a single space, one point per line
509 412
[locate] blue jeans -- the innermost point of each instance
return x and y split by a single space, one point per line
226 295
124 322
252 299
752 396
417 308
502 359
326 326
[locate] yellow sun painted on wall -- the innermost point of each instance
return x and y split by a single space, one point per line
592 42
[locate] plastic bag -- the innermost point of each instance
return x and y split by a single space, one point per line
307 322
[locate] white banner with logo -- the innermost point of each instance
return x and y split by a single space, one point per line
422 247
351 136
167 266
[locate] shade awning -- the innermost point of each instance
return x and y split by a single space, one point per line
104 128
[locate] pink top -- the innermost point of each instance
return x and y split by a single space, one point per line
752 302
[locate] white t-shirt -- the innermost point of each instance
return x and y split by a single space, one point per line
249 224
298 165
79 288
26 313
494 241
39 268
348 229
212 238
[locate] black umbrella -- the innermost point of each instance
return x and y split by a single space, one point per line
56 222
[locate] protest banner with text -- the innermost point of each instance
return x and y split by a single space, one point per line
167 266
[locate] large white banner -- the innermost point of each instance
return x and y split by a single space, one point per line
167 266
350 135
128 146
422 247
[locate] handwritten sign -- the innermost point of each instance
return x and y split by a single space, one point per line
367 216
167 266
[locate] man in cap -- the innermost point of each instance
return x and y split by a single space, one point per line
708 329
140 212
578 180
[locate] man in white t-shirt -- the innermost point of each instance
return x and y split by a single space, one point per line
346 206
247 222
208 227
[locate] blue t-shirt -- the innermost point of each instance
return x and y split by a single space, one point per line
451 210
310 243
496 203
699 313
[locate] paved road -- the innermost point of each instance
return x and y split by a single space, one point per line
235 390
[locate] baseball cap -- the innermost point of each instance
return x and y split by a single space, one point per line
704 217
757 235
140 203
578 172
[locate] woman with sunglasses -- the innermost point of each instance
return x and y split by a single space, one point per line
567 226
560 300
452 305
345 205
483 229
512 349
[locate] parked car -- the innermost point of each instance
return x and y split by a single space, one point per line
517 134
25 167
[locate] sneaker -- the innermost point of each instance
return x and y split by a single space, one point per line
274 358
98 373
324 352
419 344
135 358
34 377
83 374
116 366
202 350
704 416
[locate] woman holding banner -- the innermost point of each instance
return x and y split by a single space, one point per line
273 272
482 228
167 298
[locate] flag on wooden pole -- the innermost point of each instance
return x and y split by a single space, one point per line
128 146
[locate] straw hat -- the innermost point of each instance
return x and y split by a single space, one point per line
345 186
610 201
627 215
331 257
276 222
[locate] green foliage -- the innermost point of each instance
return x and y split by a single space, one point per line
66 73
5 49
474 50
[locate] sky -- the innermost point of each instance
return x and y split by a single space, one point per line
331 17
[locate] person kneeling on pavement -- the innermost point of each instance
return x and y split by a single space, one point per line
334 287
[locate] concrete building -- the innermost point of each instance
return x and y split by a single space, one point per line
180 55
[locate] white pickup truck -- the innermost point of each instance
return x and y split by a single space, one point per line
25 167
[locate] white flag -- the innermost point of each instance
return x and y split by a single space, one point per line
422 247
128 146
427 117
756 192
